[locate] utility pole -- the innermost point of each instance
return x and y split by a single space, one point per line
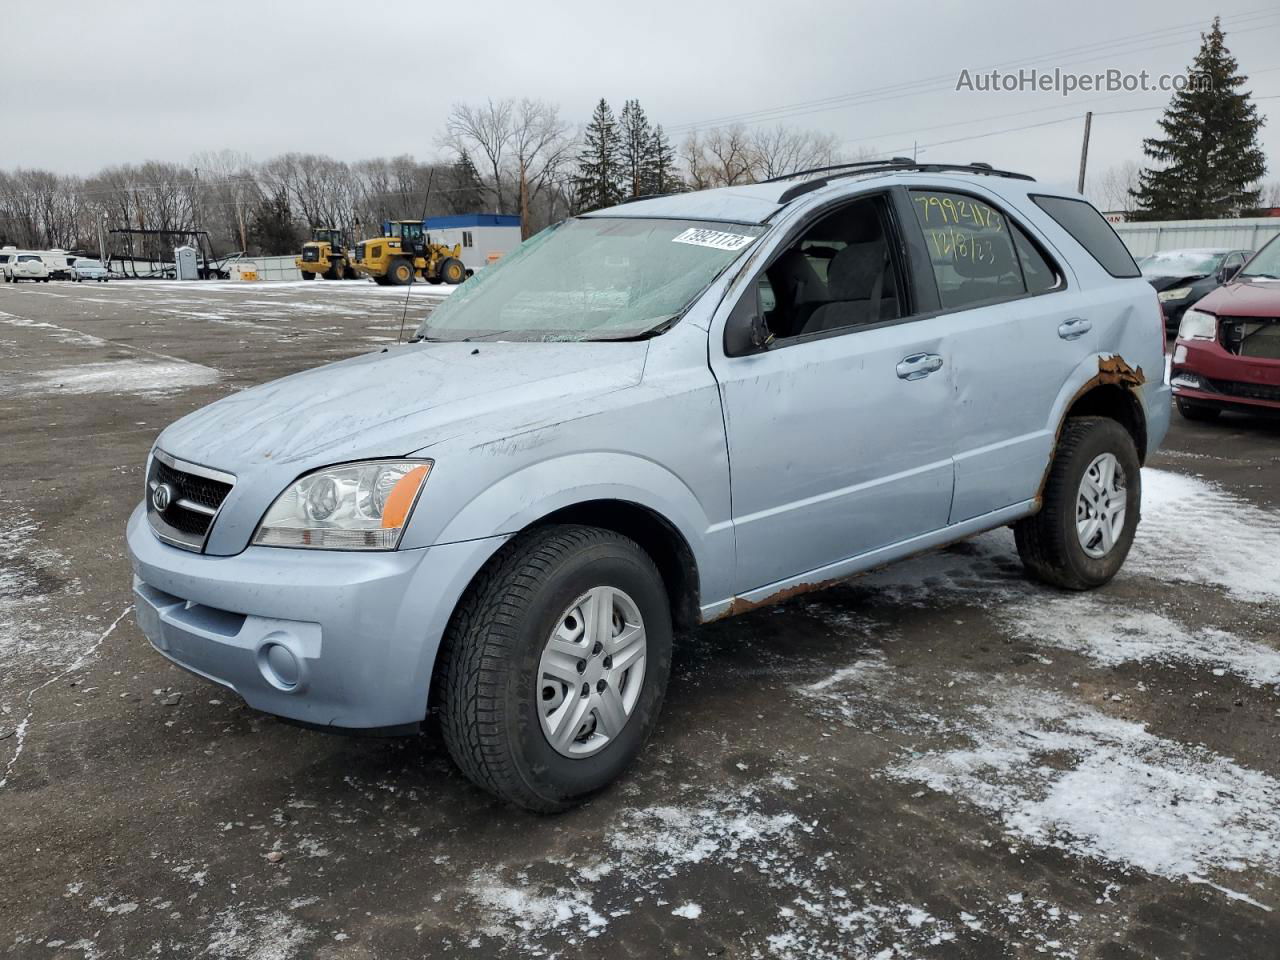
1084 150
102 243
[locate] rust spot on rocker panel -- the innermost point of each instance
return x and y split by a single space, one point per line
743 605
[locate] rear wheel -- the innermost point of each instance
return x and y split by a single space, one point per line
308 275
1196 412
1091 505
554 666
452 271
399 273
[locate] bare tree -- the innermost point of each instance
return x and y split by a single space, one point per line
782 150
540 146
486 130
1112 189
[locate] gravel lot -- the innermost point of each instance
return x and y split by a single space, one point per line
940 759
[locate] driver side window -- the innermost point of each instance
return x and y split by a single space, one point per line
840 273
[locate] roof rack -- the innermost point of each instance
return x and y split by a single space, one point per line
875 166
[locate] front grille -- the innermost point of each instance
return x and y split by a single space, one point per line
1251 391
359 251
1250 336
194 496
310 254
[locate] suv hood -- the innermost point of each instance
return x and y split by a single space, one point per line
394 402
1251 298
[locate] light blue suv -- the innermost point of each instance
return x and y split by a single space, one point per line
646 418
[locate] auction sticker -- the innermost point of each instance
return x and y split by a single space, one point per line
701 237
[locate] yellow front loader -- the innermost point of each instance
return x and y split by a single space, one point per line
326 255
404 254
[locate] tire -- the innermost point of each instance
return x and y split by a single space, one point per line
1048 543
307 275
333 273
490 689
382 281
1196 412
399 272
452 271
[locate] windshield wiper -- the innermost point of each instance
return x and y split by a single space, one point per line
1259 276
659 328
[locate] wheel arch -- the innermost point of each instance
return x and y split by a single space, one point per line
1104 386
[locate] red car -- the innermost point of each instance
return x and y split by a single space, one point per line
1227 355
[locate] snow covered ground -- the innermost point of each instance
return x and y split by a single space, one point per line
939 759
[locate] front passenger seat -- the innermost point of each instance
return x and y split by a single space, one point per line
855 278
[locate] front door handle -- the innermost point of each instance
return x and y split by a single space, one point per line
1074 329
918 365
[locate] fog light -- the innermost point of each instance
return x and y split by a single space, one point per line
1188 380
279 666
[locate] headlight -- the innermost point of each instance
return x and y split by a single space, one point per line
1177 293
1197 325
356 506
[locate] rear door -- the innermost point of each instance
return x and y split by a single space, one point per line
1015 334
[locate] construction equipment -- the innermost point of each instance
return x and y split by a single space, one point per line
327 255
404 254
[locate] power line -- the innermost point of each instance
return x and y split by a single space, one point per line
915 87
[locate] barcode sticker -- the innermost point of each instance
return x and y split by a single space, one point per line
701 237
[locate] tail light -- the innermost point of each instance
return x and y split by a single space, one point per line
1164 336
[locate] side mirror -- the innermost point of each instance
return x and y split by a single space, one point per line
761 335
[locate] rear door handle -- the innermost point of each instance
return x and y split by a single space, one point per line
918 365
1074 329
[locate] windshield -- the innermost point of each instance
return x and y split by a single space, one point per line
1181 263
89 263
592 278
1266 263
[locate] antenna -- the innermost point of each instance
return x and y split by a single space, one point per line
409 289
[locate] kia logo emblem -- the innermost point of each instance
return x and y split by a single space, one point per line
161 497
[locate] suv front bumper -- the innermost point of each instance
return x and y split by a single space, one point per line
326 637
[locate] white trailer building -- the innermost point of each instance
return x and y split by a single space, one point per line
485 237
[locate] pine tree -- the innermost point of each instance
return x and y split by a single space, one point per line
466 189
637 142
660 164
274 231
600 173
1209 160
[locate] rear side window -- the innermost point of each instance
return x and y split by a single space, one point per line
1091 231
970 248
1040 274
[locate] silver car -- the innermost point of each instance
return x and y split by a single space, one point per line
647 418
84 269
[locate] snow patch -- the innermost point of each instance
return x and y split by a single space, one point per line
1062 774
147 377
272 935
1193 531
1111 634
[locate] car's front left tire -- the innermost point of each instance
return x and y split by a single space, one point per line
554 666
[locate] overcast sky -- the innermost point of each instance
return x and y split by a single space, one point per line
91 84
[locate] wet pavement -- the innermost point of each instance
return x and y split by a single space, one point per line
939 759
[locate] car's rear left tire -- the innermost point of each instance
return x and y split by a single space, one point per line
1091 506
554 666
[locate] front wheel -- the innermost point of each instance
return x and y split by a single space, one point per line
1091 505
400 273
452 271
554 666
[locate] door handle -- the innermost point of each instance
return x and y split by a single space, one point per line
918 365
1074 329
